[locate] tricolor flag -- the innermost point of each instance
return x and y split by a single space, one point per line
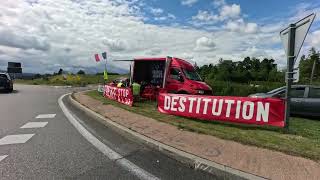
96 56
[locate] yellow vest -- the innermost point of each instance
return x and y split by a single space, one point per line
119 84
136 89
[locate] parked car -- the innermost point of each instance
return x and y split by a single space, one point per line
6 83
305 99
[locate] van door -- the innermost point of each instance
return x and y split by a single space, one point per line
174 82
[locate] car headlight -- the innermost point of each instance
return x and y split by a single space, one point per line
200 91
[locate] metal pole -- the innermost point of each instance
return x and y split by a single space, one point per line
105 68
312 72
290 64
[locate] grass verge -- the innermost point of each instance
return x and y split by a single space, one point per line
303 139
68 80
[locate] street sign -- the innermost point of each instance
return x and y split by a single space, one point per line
14 70
296 75
292 38
301 29
14 65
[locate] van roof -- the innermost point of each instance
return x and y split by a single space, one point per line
175 61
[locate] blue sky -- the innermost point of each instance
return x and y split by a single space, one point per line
46 35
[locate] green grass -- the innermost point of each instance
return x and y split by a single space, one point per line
69 80
303 139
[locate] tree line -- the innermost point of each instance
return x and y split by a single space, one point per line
310 67
254 69
248 70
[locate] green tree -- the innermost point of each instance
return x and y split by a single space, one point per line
60 71
81 72
306 64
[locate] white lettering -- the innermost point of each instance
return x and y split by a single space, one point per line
198 105
174 103
191 99
205 108
182 107
246 115
229 103
238 109
263 112
214 105
167 100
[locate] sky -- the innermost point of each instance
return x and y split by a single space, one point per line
46 35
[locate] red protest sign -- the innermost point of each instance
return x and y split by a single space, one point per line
122 95
260 111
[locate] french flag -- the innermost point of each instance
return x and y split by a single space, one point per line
96 56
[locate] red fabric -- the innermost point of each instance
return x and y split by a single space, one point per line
260 111
96 56
122 95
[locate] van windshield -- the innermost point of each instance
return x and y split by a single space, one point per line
191 74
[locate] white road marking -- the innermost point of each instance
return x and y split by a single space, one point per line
34 125
3 157
45 116
15 139
107 151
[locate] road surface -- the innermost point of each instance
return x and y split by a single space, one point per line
38 141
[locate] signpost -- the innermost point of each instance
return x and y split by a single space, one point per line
292 38
14 67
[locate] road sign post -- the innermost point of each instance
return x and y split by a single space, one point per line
292 38
290 64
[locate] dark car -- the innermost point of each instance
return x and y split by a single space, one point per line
6 83
305 99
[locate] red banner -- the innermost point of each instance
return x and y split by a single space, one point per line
260 111
122 95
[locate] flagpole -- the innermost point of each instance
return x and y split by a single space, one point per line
105 69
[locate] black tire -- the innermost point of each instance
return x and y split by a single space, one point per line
10 90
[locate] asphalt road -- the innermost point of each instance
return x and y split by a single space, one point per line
56 150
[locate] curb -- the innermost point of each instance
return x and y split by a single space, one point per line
192 160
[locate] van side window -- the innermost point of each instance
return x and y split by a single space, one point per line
297 92
174 73
314 93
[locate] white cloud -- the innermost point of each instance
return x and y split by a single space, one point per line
204 44
188 2
314 39
226 12
240 26
115 44
56 33
169 16
205 16
156 11
230 11
16 40
218 3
